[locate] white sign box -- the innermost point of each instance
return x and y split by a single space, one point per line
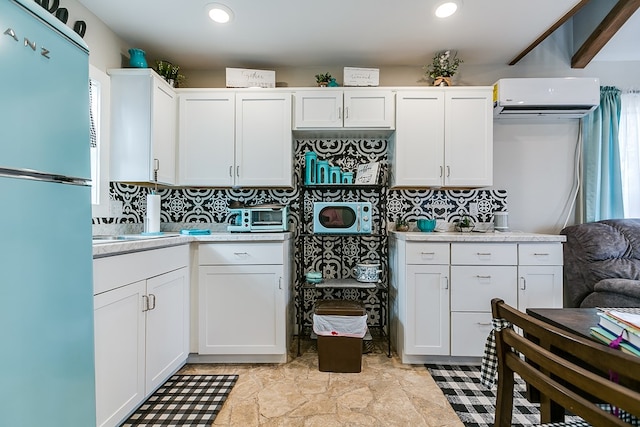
242 77
361 76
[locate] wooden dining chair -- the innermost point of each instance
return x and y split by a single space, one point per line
569 371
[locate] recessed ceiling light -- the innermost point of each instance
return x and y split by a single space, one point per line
447 8
220 13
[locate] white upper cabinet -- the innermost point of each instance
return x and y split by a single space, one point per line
206 138
143 127
443 138
337 108
235 138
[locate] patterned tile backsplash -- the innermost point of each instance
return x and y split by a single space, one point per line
209 205
207 208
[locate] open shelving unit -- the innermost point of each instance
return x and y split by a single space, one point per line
335 255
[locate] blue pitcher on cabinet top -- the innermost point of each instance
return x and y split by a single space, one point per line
137 58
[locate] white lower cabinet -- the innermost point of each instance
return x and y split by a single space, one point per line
442 292
244 302
141 321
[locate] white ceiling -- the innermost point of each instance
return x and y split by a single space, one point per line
359 33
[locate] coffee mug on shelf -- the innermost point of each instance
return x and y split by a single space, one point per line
367 272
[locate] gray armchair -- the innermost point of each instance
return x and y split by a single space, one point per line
602 264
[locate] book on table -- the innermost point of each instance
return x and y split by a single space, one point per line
621 323
606 337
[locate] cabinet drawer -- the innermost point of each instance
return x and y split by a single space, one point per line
241 253
427 253
473 287
484 253
469 332
540 254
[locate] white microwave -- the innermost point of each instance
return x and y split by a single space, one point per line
342 217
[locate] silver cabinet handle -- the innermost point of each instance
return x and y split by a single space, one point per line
153 301
483 323
346 112
238 171
483 277
540 254
441 169
280 283
241 253
340 112
231 171
446 282
145 303
523 283
483 253
448 171
427 253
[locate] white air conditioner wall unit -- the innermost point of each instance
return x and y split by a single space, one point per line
560 98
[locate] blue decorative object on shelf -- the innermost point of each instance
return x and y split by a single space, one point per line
332 82
310 168
322 176
335 177
347 177
137 58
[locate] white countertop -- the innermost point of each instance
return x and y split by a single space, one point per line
452 236
117 247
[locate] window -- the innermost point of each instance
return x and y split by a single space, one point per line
100 100
629 138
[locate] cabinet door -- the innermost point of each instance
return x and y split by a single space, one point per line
369 109
427 328
207 138
468 138
167 325
417 153
318 109
242 309
264 145
539 287
120 347
164 139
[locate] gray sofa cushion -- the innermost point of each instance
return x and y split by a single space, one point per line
597 251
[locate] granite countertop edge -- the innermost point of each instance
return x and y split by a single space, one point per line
175 239
489 237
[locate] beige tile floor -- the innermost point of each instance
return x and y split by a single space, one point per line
296 394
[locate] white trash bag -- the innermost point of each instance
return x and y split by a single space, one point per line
340 326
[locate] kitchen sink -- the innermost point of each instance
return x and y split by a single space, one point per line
113 238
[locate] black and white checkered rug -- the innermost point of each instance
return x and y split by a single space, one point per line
473 402
184 400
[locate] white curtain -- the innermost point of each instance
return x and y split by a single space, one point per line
629 137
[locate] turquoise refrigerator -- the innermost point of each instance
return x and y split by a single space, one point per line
46 291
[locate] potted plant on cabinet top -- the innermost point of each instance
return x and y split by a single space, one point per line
323 79
170 72
443 67
401 225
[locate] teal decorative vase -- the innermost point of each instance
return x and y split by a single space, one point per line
137 59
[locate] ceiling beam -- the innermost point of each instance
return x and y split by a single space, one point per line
619 14
547 33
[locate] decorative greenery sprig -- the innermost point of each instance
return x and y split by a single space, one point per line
443 65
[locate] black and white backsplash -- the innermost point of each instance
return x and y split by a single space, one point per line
210 206
336 257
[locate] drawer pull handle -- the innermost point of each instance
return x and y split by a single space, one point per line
240 253
540 254
484 254
483 277
484 323
428 253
